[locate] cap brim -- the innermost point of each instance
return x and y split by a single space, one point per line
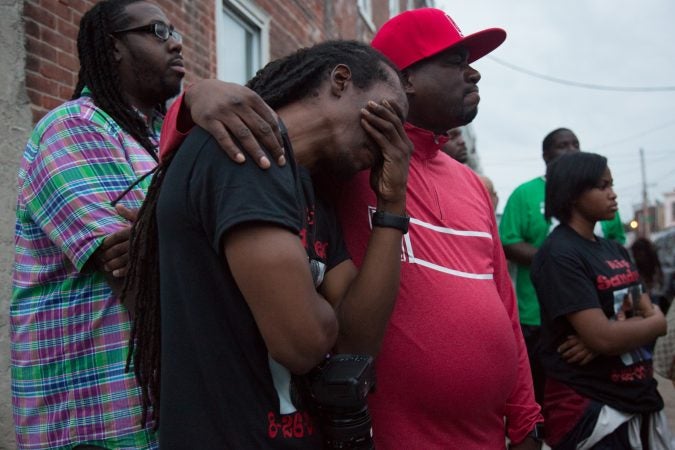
482 42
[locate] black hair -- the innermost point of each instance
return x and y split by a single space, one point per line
299 74
279 83
548 140
569 176
100 72
647 262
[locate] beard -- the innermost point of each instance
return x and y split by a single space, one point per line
159 88
158 85
468 116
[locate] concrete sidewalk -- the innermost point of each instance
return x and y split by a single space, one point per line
668 393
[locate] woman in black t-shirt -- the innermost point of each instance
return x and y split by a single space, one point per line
600 392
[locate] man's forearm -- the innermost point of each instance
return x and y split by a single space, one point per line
365 311
521 253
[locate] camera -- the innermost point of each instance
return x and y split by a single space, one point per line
337 391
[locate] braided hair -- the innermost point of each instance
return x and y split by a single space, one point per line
279 83
299 74
99 70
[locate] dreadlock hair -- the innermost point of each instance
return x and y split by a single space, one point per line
279 83
299 74
141 294
647 262
99 70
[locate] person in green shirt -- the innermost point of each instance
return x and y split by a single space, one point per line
522 230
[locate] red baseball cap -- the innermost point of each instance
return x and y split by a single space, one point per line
420 33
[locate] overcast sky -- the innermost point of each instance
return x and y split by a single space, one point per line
600 42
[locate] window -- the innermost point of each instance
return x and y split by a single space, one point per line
394 7
242 40
366 13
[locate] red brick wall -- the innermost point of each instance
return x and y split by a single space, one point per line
51 51
51 33
303 23
51 45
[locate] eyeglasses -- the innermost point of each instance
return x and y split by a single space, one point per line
160 29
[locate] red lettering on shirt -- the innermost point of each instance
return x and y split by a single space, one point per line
618 264
629 277
637 372
320 249
289 426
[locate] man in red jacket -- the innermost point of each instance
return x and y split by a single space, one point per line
452 366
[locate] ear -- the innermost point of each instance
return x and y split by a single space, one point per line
546 156
408 86
340 78
116 44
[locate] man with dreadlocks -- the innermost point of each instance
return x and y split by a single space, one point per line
452 367
69 332
228 306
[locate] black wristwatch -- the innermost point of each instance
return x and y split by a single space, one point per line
388 220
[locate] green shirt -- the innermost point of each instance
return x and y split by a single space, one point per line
523 221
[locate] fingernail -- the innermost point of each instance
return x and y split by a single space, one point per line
239 158
116 273
372 104
282 160
264 162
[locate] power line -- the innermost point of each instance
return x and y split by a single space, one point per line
634 136
618 159
597 87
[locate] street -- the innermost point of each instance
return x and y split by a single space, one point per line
668 393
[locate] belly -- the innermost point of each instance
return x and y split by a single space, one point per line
449 351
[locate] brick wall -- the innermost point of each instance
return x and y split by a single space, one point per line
302 23
51 33
51 45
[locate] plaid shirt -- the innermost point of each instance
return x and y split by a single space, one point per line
69 333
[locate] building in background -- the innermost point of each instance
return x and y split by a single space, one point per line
654 218
226 39
668 210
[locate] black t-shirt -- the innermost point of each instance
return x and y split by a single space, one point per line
571 274
217 388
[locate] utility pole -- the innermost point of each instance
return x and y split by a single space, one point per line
645 226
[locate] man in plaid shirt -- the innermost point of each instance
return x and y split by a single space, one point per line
69 332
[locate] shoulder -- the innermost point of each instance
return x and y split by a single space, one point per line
201 159
611 246
527 188
73 117
461 174
560 245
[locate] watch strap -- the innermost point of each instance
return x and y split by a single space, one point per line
388 220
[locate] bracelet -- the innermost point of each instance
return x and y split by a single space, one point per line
388 220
